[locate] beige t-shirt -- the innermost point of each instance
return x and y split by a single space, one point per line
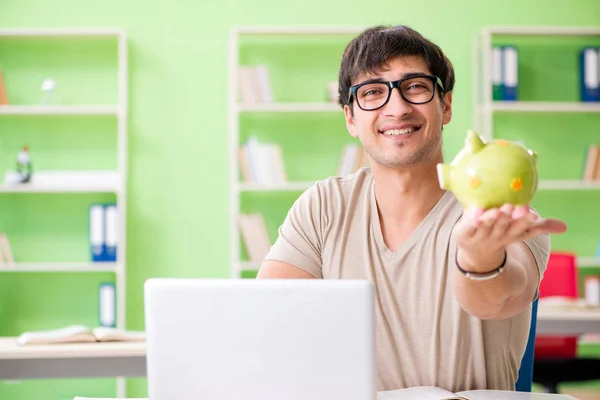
423 337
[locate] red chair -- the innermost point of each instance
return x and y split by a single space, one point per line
561 279
555 357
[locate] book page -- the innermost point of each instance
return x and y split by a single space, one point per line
69 334
507 395
418 393
108 334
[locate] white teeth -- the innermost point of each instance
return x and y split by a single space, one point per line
396 132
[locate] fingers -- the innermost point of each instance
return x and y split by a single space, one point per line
520 226
472 221
504 225
549 225
520 211
492 223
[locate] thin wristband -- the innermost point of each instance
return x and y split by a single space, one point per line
482 276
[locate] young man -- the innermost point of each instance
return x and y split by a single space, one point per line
454 287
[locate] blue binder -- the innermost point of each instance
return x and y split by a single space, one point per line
103 232
107 305
97 232
497 85
510 73
589 71
112 232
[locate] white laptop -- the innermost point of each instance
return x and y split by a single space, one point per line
213 339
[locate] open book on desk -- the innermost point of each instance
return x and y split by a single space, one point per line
434 393
80 334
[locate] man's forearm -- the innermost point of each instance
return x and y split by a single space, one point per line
487 298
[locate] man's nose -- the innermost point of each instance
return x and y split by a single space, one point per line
396 105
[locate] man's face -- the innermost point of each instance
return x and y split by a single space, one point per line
401 134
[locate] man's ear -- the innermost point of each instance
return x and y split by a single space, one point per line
447 108
349 116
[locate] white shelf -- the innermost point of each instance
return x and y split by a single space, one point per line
111 181
290 186
62 188
566 184
290 107
59 267
534 106
62 32
67 182
586 262
542 31
296 30
60 110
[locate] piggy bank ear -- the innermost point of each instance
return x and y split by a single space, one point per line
532 153
474 142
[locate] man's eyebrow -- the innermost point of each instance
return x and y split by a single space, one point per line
413 74
372 80
380 80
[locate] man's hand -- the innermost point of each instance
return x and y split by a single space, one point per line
482 236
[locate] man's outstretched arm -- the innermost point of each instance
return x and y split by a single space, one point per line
486 240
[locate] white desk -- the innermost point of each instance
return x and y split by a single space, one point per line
110 359
128 359
572 320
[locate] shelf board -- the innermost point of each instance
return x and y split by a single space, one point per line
289 186
94 181
543 31
54 32
58 267
297 30
543 106
566 184
59 188
586 262
290 107
59 110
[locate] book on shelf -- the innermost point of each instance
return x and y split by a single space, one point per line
104 232
353 158
3 94
80 334
254 85
6 253
254 236
262 163
505 73
434 393
589 74
591 170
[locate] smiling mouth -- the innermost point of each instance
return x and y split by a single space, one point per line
400 132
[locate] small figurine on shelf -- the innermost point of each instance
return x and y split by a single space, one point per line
24 169
48 87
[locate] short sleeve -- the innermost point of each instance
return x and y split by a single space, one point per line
299 241
540 247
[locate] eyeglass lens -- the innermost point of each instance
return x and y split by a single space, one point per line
415 90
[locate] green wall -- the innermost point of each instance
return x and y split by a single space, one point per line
178 181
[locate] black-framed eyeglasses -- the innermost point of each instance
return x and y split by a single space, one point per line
415 89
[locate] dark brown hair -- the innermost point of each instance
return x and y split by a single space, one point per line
374 47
